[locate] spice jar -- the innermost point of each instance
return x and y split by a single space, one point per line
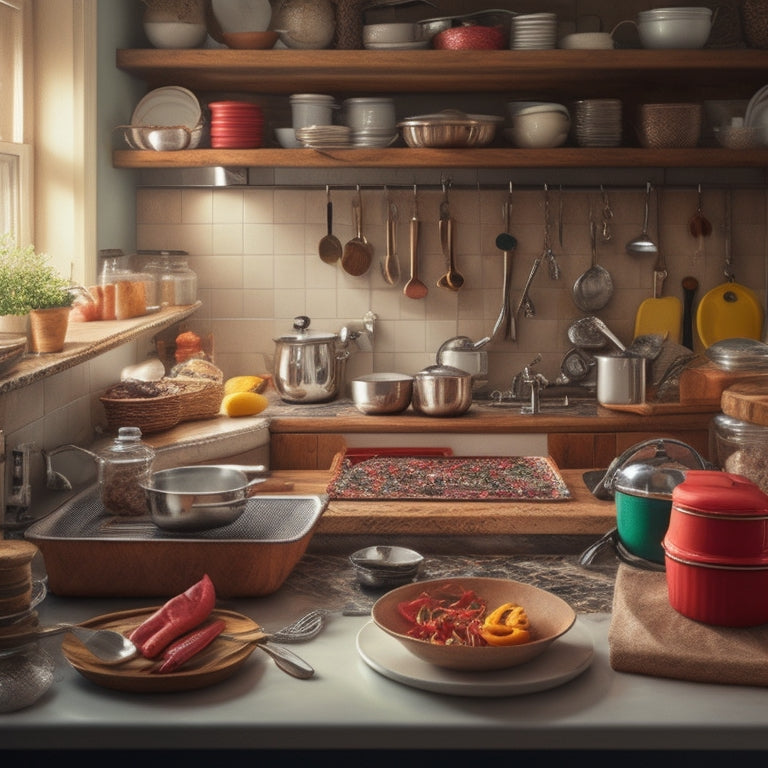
124 467
740 447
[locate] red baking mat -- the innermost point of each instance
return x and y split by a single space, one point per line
459 478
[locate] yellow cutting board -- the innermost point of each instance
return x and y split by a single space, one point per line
729 311
663 315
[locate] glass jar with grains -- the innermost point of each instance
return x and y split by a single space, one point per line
124 467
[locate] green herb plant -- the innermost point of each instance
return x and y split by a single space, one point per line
28 280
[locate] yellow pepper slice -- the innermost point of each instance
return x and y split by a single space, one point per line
507 625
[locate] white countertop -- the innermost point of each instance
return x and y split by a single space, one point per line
348 705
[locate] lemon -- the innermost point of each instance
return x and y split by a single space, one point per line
243 384
243 404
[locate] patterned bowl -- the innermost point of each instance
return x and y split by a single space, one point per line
670 126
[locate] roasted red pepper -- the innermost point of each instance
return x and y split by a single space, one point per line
191 644
179 615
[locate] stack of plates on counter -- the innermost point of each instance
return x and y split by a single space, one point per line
324 136
534 31
597 122
236 125
756 115
170 106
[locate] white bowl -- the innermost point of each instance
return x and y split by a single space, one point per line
671 32
390 33
537 125
592 41
286 138
173 34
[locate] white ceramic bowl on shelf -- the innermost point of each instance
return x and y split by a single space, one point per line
175 34
537 125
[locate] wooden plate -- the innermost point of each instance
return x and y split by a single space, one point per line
216 663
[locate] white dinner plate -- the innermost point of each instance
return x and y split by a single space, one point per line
759 96
169 105
565 659
759 120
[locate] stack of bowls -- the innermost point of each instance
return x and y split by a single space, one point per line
236 125
371 121
536 124
670 28
597 122
383 567
533 31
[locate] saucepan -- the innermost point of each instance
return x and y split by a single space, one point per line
197 498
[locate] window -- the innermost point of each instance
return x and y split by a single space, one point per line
15 119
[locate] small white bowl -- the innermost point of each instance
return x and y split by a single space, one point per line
537 125
583 41
674 32
286 138
390 33
172 34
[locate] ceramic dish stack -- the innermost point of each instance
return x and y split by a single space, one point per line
170 106
236 125
756 116
534 31
324 136
597 122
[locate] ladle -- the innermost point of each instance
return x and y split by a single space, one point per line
585 331
390 266
358 252
329 247
642 244
452 279
593 289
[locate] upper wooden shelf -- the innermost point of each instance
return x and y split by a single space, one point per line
581 74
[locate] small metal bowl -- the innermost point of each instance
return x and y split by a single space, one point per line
449 128
161 138
385 566
377 393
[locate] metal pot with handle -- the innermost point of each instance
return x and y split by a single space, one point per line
309 365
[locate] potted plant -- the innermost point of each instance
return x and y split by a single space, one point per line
31 286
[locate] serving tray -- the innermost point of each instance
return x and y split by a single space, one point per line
90 553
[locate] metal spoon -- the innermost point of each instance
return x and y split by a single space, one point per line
358 252
329 247
107 645
642 244
452 279
593 289
415 288
390 266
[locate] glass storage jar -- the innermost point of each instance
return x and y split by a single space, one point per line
123 468
740 447
26 673
178 286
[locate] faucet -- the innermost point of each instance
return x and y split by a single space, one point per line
20 496
536 381
55 481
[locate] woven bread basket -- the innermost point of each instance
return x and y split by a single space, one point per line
186 400
670 126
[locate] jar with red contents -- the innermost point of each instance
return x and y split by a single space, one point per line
716 549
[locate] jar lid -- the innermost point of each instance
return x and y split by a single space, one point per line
442 372
647 480
302 334
720 493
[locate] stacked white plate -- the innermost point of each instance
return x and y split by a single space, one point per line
597 122
324 136
534 31
171 105
756 115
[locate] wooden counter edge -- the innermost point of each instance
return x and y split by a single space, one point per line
582 514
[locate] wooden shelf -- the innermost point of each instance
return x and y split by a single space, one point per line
632 75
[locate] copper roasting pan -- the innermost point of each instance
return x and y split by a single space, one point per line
89 553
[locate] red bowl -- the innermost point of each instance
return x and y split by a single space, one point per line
471 38
722 595
217 143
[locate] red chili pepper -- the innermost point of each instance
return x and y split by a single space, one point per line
179 615
192 643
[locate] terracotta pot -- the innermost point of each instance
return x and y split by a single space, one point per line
48 329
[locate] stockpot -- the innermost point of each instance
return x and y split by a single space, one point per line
309 365
441 390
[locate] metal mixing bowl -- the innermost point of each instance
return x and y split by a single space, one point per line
440 390
378 393
449 128
197 498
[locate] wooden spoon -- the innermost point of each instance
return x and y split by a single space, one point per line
452 279
358 252
329 247
415 288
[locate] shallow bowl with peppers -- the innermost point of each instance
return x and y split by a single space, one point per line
471 600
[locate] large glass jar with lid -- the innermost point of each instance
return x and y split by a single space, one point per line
178 286
124 467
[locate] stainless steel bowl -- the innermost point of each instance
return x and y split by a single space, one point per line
377 393
441 390
198 498
449 128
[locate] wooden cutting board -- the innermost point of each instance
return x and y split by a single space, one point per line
747 400
705 383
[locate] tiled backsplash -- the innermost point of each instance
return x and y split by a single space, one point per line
255 252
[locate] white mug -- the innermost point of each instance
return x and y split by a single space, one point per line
367 114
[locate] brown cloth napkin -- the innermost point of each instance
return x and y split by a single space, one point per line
648 636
